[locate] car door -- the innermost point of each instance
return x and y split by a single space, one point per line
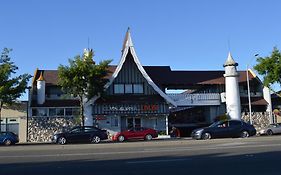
130 134
139 133
235 128
221 130
278 128
88 133
75 135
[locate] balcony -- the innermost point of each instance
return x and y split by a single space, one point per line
208 99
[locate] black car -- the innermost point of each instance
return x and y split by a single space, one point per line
81 134
8 138
223 129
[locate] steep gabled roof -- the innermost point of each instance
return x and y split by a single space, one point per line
129 47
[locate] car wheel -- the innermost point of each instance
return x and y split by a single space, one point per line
269 132
244 134
121 138
62 140
148 137
7 142
206 136
96 139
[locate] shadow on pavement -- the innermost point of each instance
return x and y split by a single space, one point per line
266 163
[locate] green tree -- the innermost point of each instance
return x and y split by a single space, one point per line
83 78
270 68
11 86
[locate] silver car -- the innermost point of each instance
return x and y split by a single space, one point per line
271 129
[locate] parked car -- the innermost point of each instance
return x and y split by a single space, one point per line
81 134
271 129
135 133
224 129
8 138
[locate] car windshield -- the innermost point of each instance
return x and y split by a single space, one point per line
215 124
272 125
75 129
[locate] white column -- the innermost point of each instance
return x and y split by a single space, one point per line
40 91
167 125
233 105
267 97
88 120
232 95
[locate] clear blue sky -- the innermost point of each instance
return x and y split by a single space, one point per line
184 34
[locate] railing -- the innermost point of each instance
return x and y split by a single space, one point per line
256 94
196 99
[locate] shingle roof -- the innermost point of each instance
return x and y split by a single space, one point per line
163 75
256 101
57 103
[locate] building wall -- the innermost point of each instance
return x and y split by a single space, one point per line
260 119
15 118
41 129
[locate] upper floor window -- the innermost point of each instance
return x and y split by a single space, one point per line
138 88
128 88
119 88
56 111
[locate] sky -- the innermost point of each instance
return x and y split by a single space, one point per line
183 34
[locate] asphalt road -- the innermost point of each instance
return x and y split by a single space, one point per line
256 155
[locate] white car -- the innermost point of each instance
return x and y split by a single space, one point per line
271 129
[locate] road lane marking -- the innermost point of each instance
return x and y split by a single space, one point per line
156 161
156 150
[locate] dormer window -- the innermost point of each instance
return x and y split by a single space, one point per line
138 88
128 89
119 88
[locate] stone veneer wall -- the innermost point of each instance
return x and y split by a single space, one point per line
260 119
41 129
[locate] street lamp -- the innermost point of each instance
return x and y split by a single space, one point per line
249 93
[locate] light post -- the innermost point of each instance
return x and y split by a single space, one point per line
249 93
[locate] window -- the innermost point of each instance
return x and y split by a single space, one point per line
128 88
114 121
52 111
138 88
60 111
76 130
42 112
75 111
119 88
90 129
234 123
56 111
34 112
68 111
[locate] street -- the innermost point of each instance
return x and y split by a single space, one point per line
256 155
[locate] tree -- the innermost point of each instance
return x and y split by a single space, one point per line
83 78
11 87
270 68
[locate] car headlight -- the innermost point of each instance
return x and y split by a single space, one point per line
55 137
199 131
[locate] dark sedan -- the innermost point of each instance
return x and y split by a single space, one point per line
224 129
8 138
81 134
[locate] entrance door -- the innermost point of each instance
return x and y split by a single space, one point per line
133 122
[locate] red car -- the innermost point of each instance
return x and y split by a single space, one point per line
135 133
